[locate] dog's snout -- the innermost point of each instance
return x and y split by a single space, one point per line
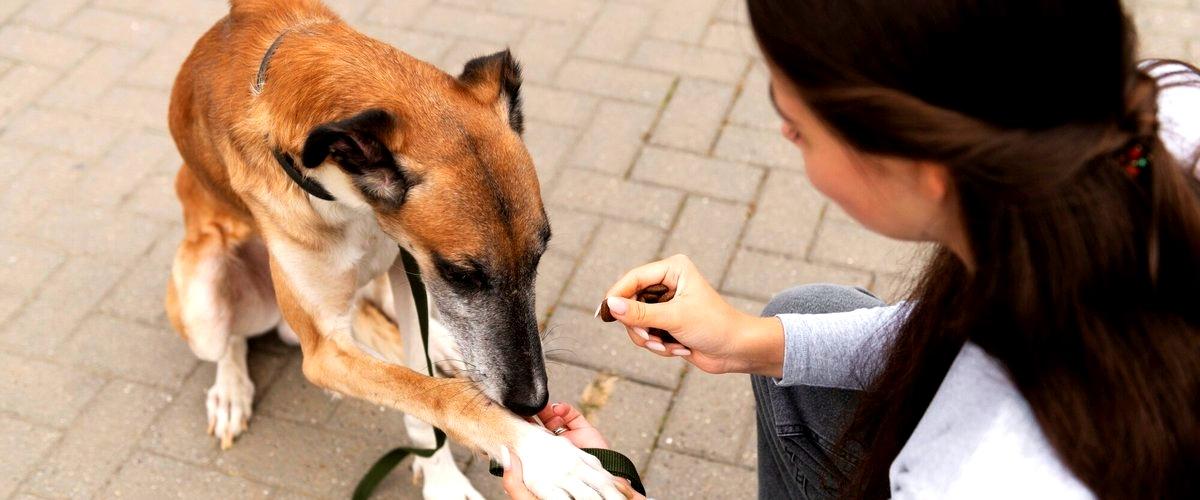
527 401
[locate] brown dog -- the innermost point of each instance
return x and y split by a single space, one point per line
310 152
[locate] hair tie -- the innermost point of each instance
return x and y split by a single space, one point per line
1134 160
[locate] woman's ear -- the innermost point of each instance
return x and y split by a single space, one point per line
932 180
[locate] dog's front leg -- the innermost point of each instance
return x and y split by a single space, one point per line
554 468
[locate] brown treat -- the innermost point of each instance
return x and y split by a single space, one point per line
605 314
659 289
653 294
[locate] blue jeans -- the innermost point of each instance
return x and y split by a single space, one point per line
799 427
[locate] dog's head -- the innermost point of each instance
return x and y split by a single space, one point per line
447 175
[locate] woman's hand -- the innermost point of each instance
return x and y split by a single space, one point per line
578 431
713 335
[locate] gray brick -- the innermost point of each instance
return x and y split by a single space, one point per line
7 9
469 24
616 248
105 183
45 323
23 268
62 131
567 11
760 147
159 68
1173 21
697 174
14 159
753 107
748 306
94 448
713 417
553 273
733 11
117 236
615 32
22 84
613 139
683 20
465 50
689 60
694 115
44 48
140 294
548 145
88 81
423 46
632 417
731 37
560 107
761 276
152 111
155 199
350 10
674 475
544 47
124 349
24 445
198 12
380 423
599 193
567 382
615 81
398 13
707 232
116 27
48 15
787 215
147 476
47 394
294 398
853 245
572 230
580 339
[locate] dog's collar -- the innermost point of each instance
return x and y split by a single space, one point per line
309 185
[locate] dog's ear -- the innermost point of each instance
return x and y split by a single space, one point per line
497 78
357 145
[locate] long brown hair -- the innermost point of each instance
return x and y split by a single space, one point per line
1086 279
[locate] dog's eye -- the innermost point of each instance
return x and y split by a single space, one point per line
469 276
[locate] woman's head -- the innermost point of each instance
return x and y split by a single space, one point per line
996 128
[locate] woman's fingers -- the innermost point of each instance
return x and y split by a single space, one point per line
633 313
514 481
666 272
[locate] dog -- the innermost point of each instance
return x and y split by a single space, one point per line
311 155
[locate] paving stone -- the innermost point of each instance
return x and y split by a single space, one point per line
749 306
294 398
282 453
148 476
203 12
853 245
14 160
683 20
45 323
85 83
116 27
713 416
731 37
559 107
566 383
350 10
105 183
544 47
698 174
760 147
379 423
761 276
40 47
7 9
155 199
95 446
117 236
787 215
63 131
689 60
128 350
571 230
733 11
553 273
707 232
753 107
674 475
24 446
23 268
632 417
599 193
141 293
151 113
617 248
397 13
614 32
424 46
566 11
694 115
468 24
615 81
583 340
22 84
159 68
43 393
614 137
465 50
548 145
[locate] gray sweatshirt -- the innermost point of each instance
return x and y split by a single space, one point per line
978 439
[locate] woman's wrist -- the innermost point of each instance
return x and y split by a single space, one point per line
760 347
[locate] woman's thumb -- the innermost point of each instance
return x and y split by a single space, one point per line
634 313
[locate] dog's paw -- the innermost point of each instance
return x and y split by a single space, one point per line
555 469
229 404
442 478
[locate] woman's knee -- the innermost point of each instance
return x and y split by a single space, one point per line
820 298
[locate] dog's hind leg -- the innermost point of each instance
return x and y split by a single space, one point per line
219 294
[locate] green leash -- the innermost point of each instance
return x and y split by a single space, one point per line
615 463
385 464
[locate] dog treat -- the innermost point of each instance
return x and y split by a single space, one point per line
652 294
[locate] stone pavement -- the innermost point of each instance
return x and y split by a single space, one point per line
658 104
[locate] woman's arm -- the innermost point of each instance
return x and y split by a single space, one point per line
837 349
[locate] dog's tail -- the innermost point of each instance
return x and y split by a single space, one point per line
375 330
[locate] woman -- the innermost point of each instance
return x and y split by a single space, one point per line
1052 345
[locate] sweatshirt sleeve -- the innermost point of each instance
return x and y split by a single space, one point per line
837 349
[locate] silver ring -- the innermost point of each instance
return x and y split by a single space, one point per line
560 431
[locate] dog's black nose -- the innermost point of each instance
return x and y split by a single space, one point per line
526 402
